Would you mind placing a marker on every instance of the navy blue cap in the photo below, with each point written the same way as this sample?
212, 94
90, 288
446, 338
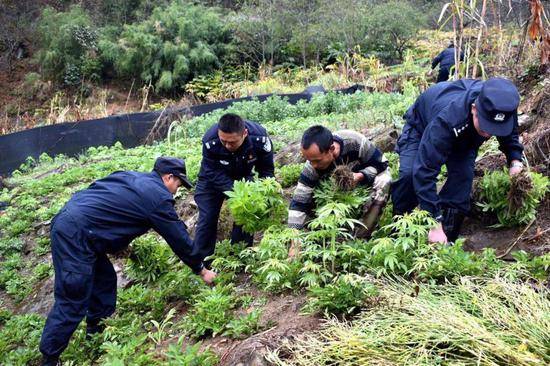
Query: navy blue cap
496, 105
175, 166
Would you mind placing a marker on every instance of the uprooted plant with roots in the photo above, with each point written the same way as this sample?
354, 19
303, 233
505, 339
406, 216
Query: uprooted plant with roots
343, 177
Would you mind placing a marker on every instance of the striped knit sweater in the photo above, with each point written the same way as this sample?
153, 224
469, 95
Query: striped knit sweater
356, 151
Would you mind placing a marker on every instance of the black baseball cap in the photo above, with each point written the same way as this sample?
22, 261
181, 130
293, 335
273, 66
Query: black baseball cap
496, 105
175, 166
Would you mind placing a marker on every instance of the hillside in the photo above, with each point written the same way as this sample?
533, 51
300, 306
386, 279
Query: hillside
391, 299
258, 302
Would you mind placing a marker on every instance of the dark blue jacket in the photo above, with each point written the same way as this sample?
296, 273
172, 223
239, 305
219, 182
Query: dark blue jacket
114, 210
446, 58
220, 168
442, 115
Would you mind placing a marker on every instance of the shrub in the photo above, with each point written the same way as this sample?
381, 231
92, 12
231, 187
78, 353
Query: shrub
211, 312
68, 45
245, 325
169, 48
514, 201
149, 259
391, 26
140, 300
256, 205
289, 174
268, 260
345, 295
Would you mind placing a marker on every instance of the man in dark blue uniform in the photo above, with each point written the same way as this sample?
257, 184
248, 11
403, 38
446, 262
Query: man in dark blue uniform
105, 218
446, 125
445, 60
231, 149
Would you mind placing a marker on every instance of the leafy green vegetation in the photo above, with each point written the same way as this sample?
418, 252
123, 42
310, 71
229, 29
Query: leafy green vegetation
256, 205
169, 48
149, 259
288, 175
513, 200
68, 46
164, 308
19, 337
345, 295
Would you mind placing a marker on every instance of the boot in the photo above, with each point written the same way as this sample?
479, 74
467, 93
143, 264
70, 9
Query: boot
94, 327
452, 222
50, 361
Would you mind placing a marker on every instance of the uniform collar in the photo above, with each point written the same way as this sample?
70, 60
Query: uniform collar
244, 147
158, 178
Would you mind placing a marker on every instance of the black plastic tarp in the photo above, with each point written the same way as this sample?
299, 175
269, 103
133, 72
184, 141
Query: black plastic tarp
72, 138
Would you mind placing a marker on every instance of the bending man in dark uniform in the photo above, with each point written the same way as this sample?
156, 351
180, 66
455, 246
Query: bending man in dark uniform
231, 149
105, 218
445, 60
446, 125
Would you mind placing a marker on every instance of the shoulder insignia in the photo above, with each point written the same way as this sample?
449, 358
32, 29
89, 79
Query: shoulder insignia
267, 145
460, 129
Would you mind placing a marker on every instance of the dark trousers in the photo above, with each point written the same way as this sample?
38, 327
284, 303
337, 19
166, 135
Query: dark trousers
85, 285
455, 194
443, 74
209, 203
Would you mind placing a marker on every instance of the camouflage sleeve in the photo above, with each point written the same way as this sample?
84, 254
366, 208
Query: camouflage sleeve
302, 199
374, 160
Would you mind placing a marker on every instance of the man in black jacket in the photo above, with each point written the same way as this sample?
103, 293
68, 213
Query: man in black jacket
445, 60
446, 125
232, 148
105, 218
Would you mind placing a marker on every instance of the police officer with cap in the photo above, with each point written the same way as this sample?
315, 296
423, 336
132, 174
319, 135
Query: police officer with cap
446, 125
232, 149
105, 218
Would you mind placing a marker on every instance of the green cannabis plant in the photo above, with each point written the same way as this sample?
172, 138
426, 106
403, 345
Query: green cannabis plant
256, 205
513, 200
289, 174
344, 295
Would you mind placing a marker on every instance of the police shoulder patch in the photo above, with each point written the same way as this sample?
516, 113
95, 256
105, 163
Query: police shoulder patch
458, 130
267, 145
210, 143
